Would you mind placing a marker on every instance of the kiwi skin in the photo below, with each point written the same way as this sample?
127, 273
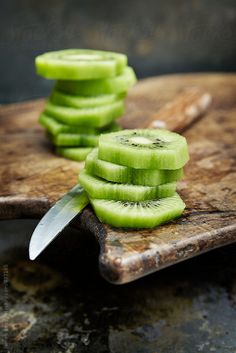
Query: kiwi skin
167, 150
127, 214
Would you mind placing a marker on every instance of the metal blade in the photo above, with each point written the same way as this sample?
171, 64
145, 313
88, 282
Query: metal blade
56, 219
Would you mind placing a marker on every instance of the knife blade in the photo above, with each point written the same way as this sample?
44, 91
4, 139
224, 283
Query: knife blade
56, 219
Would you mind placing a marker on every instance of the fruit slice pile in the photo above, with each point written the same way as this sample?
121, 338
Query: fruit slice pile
131, 177
87, 98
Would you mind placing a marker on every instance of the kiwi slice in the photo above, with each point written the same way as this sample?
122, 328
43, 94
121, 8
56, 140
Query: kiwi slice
99, 188
113, 85
122, 174
90, 117
66, 139
73, 101
80, 64
76, 154
144, 149
142, 214
54, 127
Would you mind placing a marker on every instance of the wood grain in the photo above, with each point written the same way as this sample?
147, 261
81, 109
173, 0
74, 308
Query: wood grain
32, 178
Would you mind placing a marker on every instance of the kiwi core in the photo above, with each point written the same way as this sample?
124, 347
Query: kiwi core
141, 140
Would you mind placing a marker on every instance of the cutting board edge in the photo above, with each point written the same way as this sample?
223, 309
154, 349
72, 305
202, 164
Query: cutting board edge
116, 273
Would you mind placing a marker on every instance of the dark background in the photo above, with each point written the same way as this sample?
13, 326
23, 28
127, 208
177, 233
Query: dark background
160, 37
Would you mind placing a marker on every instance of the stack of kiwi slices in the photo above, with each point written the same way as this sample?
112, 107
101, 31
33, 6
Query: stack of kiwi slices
131, 177
87, 98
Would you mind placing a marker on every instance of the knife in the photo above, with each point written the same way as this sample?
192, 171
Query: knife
56, 219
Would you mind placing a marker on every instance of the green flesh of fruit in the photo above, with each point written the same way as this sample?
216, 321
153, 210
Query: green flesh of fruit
55, 127
73, 101
98, 188
80, 64
144, 149
122, 174
76, 140
76, 154
97, 117
114, 85
144, 214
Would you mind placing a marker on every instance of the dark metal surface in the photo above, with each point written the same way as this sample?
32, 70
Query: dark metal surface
159, 36
61, 304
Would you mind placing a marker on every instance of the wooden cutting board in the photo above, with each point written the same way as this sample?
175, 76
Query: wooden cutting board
32, 178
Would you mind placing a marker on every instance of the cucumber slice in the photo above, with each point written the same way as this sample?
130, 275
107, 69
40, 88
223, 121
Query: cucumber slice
90, 117
144, 214
98, 188
76, 154
144, 149
83, 140
122, 174
114, 85
80, 64
73, 101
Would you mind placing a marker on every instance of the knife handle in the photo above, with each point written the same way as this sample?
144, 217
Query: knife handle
182, 111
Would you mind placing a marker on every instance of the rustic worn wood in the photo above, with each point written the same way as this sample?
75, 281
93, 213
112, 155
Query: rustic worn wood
32, 178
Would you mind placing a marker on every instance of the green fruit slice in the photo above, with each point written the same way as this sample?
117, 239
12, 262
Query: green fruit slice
98, 188
80, 64
114, 85
76, 154
144, 214
77, 140
144, 149
90, 117
122, 174
54, 127
73, 101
